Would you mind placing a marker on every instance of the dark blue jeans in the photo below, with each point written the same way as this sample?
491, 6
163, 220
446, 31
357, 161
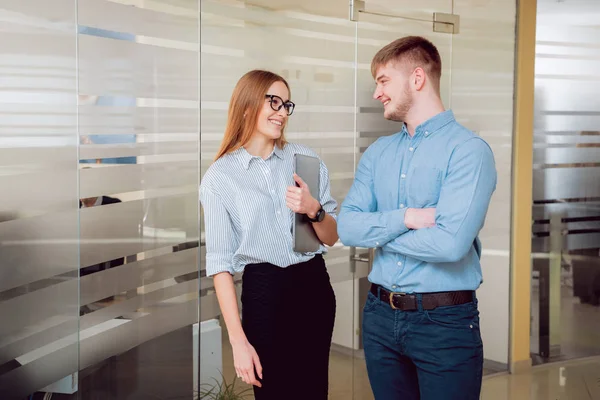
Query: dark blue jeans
425, 355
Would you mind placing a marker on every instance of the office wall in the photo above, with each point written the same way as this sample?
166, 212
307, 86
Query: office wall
99, 98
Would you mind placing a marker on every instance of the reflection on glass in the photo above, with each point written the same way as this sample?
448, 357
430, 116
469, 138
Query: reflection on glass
38, 211
566, 189
138, 215
99, 260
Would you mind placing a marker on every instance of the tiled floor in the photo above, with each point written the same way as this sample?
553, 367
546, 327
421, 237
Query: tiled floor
142, 372
160, 369
575, 380
580, 328
570, 380
347, 376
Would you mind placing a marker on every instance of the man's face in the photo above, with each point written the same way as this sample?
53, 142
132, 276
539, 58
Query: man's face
393, 91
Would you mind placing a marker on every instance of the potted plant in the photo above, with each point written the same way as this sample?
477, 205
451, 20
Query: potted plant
223, 391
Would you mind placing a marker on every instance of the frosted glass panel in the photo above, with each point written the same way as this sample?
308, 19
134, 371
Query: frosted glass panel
566, 181
39, 299
138, 185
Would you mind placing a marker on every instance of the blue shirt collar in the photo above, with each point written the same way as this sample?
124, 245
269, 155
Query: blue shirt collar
433, 124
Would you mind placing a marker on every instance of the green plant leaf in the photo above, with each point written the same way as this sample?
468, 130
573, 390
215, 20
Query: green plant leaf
223, 390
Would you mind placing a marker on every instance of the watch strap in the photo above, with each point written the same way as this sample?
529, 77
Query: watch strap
317, 216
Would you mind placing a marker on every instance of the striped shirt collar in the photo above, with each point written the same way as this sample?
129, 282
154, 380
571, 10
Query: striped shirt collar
245, 157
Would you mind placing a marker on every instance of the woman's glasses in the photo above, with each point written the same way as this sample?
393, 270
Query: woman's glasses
277, 102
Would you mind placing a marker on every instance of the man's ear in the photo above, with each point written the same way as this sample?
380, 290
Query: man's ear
419, 78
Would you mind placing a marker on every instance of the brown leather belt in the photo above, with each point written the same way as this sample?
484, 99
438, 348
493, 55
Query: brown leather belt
430, 301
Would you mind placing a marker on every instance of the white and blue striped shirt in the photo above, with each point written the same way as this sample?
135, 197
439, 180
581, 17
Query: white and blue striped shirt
246, 219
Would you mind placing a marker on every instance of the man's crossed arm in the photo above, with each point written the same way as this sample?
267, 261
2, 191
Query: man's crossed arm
441, 234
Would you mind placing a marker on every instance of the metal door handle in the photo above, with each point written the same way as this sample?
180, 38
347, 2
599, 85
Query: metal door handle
364, 258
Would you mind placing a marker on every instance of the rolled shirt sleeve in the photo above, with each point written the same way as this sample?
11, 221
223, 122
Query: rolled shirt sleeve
221, 242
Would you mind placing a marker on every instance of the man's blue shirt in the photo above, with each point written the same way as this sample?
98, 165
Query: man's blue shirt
444, 165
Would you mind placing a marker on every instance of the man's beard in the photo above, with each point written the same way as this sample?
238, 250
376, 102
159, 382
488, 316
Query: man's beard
401, 111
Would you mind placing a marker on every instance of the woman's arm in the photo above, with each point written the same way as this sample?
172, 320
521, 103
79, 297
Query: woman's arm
221, 243
229, 306
244, 355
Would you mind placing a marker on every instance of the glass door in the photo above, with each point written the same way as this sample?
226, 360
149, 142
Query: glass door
312, 45
379, 22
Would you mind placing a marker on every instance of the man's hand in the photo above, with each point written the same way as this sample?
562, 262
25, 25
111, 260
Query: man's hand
419, 218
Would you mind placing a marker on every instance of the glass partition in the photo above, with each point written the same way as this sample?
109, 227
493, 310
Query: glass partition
566, 184
39, 258
138, 177
106, 135
99, 233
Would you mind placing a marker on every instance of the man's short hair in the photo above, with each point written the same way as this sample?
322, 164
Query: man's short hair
413, 51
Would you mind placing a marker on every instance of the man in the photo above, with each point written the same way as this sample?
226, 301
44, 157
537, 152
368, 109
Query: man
420, 198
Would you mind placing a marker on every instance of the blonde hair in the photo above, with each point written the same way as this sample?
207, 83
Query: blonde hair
246, 102
416, 51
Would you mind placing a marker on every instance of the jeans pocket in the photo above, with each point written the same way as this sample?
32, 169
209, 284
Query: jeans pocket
372, 303
458, 321
463, 316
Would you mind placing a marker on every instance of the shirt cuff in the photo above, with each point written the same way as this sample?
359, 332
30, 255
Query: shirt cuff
214, 267
396, 225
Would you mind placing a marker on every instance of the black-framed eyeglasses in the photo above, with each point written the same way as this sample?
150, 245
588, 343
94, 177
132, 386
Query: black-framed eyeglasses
277, 102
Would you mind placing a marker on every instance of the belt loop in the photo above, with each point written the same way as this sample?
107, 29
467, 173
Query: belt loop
379, 292
419, 298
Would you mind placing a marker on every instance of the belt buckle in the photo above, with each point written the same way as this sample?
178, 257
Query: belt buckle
392, 294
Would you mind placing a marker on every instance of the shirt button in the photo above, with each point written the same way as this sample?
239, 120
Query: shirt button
403, 176
401, 205
426, 133
399, 263
376, 243
410, 148
278, 212
394, 286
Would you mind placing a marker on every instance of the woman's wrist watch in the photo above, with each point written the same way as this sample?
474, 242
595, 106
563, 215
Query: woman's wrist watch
320, 216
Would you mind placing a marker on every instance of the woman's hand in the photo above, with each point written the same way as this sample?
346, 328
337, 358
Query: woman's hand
299, 200
245, 361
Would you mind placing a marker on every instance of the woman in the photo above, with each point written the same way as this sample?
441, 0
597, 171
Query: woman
249, 196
